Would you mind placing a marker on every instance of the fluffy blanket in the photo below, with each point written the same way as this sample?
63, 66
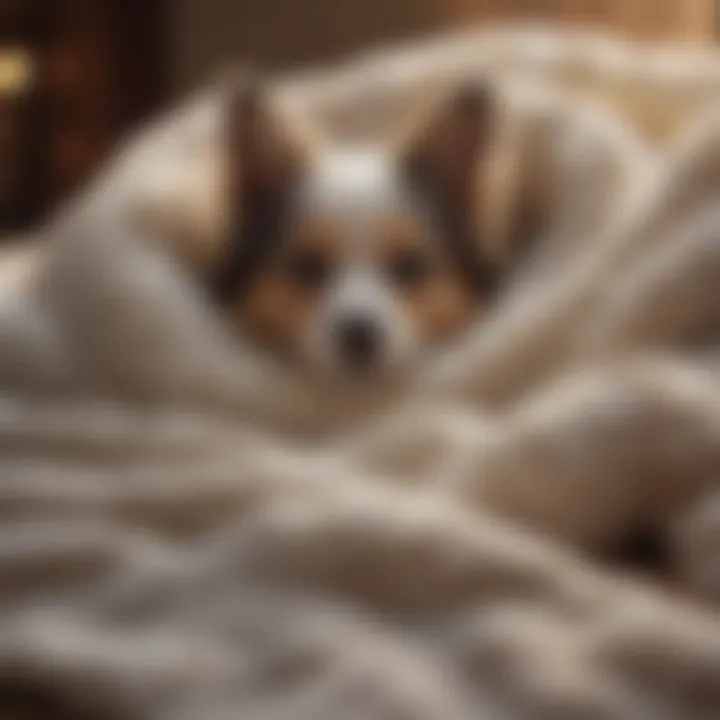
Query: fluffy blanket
179, 541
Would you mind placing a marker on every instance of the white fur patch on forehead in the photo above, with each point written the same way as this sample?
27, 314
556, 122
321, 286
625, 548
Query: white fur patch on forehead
351, 181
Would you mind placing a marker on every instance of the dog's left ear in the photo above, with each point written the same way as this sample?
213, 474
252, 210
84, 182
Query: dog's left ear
445, 150
449, 157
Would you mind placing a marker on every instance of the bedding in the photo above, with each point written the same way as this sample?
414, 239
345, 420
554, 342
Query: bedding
188, 531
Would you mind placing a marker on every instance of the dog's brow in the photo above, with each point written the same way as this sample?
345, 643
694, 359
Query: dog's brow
351, 180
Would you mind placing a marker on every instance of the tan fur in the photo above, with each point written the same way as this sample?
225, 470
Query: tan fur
274, 313
273, 310
442, 305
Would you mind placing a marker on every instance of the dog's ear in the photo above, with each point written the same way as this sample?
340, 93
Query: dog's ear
266, 147
264, 150
448, 156
446, 147
469, 156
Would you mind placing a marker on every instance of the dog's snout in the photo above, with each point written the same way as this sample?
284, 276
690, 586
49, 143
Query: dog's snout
359, 340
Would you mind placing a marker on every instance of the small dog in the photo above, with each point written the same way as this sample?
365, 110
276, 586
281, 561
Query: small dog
363, 259
357, 261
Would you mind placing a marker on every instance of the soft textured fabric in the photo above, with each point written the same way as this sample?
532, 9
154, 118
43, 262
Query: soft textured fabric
188, 532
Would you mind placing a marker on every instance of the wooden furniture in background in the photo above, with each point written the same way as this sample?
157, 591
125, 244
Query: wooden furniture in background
97, 67
105, 67
22, 34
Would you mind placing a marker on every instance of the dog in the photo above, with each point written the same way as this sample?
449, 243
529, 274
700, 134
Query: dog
355, 261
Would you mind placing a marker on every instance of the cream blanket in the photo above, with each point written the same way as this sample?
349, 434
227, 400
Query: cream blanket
178, 543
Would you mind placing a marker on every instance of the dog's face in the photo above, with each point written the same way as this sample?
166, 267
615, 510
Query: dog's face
356, 262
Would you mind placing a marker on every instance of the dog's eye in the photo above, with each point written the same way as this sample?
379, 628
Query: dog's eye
409, 268
308, 269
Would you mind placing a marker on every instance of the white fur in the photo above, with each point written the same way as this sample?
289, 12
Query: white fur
357, 191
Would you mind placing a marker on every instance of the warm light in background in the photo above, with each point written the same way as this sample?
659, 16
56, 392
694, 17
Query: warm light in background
16, 71
16, 77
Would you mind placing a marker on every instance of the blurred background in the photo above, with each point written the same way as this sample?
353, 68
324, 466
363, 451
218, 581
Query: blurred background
75, 74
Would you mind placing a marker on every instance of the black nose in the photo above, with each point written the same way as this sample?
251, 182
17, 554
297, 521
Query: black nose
359, 340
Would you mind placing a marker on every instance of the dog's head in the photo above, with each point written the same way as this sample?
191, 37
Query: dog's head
357, 261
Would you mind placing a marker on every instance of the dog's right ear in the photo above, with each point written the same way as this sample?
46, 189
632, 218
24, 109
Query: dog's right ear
199, 174
259, 157
265, 150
